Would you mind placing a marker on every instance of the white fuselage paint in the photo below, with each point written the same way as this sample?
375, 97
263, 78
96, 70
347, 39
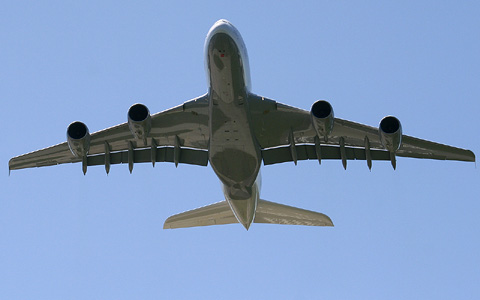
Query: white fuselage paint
234, 153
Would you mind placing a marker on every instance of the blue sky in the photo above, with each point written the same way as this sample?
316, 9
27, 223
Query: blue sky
410, 233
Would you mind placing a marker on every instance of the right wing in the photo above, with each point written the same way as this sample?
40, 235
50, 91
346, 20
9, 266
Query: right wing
285, 133
179, 133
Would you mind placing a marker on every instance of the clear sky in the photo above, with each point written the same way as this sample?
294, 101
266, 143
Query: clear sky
412, 233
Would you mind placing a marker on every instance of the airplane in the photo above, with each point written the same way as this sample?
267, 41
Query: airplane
236, 130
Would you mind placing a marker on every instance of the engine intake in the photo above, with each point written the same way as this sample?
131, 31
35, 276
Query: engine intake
390, 130
139, 121
322, 118
78, 138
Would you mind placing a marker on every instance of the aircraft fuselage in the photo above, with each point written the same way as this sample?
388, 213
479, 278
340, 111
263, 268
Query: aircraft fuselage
233, 151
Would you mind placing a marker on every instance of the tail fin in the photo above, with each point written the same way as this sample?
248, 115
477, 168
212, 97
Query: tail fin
275, 213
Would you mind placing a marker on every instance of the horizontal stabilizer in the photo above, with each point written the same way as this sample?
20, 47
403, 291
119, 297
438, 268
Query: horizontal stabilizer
214, 214
275, 213
267, 212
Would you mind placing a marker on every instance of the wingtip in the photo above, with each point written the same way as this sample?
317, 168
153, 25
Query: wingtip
10, 167
473, 156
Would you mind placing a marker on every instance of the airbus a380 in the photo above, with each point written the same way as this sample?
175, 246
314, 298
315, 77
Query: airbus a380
235, 130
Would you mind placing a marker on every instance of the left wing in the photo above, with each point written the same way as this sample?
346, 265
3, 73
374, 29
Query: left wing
286, 133
179, 135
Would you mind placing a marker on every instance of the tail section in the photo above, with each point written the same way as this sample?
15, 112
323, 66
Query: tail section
267, 212
275, 213
214, 214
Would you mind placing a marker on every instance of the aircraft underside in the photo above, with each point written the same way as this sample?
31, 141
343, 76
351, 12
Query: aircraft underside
236, 131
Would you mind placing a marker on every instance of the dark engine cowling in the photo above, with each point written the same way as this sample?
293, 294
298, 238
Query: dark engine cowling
390, 133
139, 121
78, 138
322, 118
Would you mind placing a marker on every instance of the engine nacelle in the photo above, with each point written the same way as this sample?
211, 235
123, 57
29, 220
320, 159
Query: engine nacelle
139, 121
390, 131
322, 118
78, 138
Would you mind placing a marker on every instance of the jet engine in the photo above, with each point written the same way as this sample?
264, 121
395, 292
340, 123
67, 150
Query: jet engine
322, 118
78, 138
390, 133
139, 121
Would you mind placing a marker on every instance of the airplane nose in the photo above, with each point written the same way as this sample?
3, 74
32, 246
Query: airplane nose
222, 44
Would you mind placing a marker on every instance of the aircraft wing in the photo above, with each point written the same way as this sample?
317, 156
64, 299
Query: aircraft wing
286, 133
179, 135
